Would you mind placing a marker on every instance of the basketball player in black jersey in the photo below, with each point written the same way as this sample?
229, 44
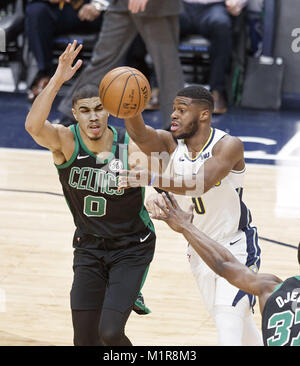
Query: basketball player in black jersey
279, 300
114, 239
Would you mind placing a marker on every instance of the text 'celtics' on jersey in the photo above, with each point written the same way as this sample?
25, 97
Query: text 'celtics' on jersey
90, 186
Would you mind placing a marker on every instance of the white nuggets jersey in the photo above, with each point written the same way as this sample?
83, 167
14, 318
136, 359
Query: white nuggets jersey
219, 212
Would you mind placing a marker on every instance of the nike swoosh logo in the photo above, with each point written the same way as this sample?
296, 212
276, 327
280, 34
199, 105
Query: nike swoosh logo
82, 157
145, 238
233, 242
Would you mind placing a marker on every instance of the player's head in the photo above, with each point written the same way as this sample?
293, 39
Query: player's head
193, 105
84, 92
88, 111
199, 95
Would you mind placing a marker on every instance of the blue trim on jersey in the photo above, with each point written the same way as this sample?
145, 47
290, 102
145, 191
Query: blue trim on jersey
210, 140
253, 260
245, 217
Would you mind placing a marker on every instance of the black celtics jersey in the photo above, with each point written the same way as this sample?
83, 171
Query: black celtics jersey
281, 315
90, 188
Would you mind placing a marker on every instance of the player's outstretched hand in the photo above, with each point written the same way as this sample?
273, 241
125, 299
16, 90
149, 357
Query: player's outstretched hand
151, 207
135, 177
172, 214
65, 69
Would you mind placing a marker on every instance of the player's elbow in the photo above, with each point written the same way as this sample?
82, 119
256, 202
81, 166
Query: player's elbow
28, 125
31, 128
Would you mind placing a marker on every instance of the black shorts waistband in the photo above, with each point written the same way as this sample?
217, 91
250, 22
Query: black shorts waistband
88, 241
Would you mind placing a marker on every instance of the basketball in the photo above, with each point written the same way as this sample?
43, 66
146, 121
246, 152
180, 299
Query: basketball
124, 92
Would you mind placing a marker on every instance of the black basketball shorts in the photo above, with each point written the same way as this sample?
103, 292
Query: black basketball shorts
109, 273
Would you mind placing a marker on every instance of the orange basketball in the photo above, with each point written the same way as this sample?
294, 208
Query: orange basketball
124, 92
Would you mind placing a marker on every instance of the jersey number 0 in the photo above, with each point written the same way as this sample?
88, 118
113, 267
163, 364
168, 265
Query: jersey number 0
94, 206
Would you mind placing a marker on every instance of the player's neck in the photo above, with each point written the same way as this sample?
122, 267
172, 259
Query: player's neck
103, 144
199, 140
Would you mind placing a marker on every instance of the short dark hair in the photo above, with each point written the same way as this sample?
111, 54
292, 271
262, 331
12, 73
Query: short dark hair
199, 94
87, 91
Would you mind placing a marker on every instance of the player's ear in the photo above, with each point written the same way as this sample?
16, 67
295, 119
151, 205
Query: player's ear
204, 115
74, 114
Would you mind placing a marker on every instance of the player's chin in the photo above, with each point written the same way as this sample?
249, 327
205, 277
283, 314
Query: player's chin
94, 136
175, 133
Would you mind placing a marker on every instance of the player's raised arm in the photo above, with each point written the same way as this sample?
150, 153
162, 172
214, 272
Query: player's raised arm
42, 131
147, 138
216, 256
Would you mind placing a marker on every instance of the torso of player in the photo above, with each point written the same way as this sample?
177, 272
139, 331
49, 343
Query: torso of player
218, 211
281, 315
90, 186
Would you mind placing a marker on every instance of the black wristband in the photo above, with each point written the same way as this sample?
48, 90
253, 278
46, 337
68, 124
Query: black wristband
158, 190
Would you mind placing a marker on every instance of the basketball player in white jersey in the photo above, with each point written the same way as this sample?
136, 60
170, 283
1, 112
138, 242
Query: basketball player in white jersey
205, 166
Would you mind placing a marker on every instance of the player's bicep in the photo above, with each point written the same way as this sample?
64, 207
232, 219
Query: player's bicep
48, 136
157, 141
157, 147
223, 160
214, 170
151, 140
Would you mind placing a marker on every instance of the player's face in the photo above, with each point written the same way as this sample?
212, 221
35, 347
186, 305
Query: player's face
91, 116
185, 118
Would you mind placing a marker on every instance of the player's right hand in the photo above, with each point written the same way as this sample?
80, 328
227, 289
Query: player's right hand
152, 208
172, 214
65, 69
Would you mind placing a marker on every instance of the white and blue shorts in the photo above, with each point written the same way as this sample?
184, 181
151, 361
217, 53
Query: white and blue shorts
216, 290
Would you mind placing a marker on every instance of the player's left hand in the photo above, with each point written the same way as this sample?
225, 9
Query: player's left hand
137, 5
135, 177
172, 214
65, 69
